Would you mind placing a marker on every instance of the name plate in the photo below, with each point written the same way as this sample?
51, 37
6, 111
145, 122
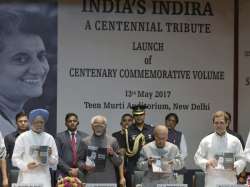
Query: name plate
171, 185
230, 185
26, 185
101, 185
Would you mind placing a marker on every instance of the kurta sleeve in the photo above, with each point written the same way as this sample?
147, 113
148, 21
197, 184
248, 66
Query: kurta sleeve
200, 156
178, 162
142, 163
2, 148
18, 153
116, 158
53, 158
240, 162
183, 147
247, 149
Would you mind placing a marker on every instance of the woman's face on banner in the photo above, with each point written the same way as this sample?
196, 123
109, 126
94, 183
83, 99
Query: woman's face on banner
24, 66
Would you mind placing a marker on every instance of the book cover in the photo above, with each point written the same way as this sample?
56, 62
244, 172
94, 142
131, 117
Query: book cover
98, 156
39, 154
161, 166
228, 160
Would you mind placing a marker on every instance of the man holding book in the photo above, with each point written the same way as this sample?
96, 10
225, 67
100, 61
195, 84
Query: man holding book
159, 159
35, 152
99, 153
219, 154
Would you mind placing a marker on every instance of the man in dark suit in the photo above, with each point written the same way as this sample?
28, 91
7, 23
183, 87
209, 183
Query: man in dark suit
67, 145
22, 125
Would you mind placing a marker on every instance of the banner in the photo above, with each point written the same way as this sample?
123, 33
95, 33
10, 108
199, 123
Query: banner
244, 68
28, 57
173, 56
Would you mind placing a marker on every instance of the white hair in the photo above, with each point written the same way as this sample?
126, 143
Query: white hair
98, 116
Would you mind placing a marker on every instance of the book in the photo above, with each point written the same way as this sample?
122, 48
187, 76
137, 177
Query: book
161, 166
97, 156
225, 161
43, 154
228, 160
39, 154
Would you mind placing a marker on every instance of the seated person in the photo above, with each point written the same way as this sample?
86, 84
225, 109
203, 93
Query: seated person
166, 152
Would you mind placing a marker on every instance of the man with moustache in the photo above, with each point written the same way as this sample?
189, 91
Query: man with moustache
98, 154
164, 152
212, 149
22, 125
68, 145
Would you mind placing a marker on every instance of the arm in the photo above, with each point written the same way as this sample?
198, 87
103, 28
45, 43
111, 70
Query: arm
143, 163
3, 162
177, 162
18, 152
61, 164
247, 149
53, 157
240, 163
122, 180
7, 145
82, 155
183, 147
4, 173
115, 157
200, 156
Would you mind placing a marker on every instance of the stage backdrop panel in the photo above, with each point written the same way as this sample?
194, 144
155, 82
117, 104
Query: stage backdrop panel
174, 56
244, 68
28, 57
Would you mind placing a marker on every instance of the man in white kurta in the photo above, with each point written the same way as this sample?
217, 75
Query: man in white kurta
217, 144
166, 152
3, 165
31, 170
246, 154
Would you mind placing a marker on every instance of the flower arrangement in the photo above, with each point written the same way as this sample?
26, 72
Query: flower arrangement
70, 182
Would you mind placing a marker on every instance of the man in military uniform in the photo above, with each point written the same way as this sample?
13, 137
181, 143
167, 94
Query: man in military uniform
126, 121
137, 135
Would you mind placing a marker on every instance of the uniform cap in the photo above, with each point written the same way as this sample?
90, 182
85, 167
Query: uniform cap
138, 109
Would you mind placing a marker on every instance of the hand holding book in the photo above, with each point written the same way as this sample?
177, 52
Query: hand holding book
32, 165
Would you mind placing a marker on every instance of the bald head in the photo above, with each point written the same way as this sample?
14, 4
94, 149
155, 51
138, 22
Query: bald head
160, 129
160, 135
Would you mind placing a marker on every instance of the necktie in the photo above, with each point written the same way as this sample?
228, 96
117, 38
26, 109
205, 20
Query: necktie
74, 151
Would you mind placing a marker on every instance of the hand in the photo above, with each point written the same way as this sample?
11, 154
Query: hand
32, 165
211, 164
73, 172
5, 182
122, 151
122, 182
88, 168
150, 161
171, 162
110, 151
49, 151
